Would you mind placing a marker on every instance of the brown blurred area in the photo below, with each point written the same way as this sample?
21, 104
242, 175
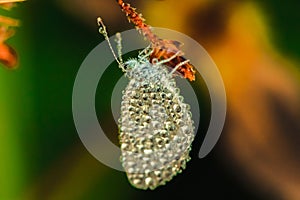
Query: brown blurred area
261, 141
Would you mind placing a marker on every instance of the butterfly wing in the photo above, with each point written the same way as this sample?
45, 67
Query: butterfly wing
156, 129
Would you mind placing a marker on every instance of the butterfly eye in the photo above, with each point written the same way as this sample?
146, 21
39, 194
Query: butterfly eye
130, 64
125, 66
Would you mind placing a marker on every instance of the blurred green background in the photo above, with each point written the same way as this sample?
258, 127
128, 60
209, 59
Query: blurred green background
41, 154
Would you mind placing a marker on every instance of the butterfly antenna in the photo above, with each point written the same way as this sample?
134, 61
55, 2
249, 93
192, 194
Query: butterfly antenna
103, 31
118, 40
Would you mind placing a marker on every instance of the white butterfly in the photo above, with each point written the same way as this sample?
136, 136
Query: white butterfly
155, 127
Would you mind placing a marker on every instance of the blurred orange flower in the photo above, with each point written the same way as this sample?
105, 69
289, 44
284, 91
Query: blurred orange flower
8, 56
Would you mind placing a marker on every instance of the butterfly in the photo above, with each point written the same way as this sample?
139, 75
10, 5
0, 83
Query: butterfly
156, 129
8, 56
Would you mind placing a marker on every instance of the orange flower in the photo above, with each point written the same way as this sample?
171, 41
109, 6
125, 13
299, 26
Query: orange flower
8, 55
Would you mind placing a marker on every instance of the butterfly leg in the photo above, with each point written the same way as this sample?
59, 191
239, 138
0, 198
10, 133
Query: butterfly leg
145, 53
179, 65
168, 59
